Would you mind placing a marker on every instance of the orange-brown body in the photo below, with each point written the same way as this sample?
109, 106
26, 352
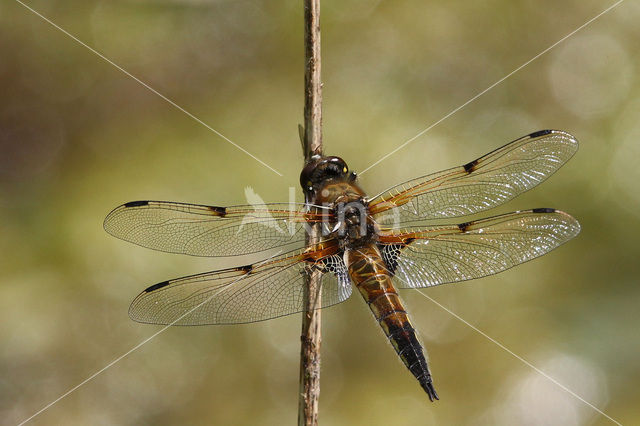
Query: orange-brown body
370, 275
328, 184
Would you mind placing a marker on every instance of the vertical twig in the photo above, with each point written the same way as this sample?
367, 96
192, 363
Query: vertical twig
312, 81
311, 336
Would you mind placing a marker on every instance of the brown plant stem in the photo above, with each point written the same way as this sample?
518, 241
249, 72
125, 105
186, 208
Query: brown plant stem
311, 335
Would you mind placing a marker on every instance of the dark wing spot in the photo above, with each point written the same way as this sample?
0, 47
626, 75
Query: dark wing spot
539, 133
218, 211
464, 226
469, 167
246, 269
136, 203
156, 286
544, 210
391, 253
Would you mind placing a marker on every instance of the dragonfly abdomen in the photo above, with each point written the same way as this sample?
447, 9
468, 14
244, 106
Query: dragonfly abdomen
370, 275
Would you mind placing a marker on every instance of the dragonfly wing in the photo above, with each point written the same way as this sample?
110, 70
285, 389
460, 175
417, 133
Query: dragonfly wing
482, 184
200, 230
451, 253
244, 294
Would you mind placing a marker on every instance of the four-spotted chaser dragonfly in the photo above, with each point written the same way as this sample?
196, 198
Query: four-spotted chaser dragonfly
365, 241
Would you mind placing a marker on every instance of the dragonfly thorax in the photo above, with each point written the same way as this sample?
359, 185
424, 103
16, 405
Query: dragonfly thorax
354, 226
349, 222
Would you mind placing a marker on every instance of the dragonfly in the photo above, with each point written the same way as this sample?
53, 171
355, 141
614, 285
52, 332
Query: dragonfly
377, 245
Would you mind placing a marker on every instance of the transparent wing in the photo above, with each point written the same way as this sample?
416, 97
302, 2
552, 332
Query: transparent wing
479, 185
450, 253
199, 230
245, 294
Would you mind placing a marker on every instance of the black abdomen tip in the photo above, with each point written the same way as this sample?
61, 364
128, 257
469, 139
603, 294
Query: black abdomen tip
427, 385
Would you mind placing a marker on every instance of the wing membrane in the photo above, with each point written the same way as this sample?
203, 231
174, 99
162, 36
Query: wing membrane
479, 185
450, 253
200, 230
244, 294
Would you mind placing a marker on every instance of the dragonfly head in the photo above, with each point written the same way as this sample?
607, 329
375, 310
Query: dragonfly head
321, 169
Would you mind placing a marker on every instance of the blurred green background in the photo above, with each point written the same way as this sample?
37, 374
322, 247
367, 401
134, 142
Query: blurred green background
79, 137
